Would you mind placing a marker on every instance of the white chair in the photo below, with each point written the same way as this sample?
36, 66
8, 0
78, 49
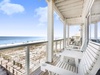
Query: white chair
79, 48
72, 53
76, 44
89, 64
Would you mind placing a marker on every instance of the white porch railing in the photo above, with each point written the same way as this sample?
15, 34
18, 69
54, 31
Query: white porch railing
22, 59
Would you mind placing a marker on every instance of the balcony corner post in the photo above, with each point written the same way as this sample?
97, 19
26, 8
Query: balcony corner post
50, 33
64, 36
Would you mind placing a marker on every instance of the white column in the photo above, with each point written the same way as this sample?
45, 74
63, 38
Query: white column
27, 60
67, 35
84, 43
87, 32
50, 31
90, 21
81, 32
83, 37
64, 35
95, 31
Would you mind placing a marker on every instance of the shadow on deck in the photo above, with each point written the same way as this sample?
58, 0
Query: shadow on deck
4, 71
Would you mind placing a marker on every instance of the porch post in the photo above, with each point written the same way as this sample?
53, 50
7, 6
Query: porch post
50, 33
90, 21
95, 31
81, 33
86, 31
67, 35
84, 40
64, 35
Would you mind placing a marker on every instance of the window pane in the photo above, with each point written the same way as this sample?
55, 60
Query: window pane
74, 30
92, 31
99, 30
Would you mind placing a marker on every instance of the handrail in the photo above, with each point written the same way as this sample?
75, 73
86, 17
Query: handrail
58, 44
25, 44
21, 45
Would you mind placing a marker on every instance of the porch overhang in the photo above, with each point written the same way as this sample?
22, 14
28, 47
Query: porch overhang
75, 11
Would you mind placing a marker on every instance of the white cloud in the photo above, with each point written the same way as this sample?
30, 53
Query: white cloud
5, 1
41, 13
10, 8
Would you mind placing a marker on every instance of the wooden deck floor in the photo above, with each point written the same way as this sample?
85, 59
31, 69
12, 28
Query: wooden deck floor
55, 61
39, 72
3, 71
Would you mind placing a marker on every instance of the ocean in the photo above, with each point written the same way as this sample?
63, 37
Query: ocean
17, 39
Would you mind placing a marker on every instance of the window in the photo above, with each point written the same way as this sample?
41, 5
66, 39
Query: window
92, 31
74, 30
98, 30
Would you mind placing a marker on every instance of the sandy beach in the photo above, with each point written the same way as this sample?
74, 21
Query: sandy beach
16, 56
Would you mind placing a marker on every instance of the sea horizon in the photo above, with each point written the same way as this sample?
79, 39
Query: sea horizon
4, 40
19, 39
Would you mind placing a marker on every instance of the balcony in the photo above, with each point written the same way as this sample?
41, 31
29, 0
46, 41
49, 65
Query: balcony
22, 58
18, 58
26, 58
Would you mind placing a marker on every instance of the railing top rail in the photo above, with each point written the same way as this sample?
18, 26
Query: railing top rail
21, 44
24, 44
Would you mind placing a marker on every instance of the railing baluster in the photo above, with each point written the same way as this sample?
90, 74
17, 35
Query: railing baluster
56, 46
63, 44
27, 60
60, 45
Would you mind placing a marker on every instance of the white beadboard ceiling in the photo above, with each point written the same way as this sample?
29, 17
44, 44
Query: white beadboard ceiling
73, 10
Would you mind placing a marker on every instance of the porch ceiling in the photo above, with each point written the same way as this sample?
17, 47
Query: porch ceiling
96, 11
71, 10
75, 11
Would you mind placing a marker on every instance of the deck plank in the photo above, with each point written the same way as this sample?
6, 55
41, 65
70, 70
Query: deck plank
3, 71
39, 72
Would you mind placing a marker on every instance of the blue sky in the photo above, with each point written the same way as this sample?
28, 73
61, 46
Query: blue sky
27, 18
